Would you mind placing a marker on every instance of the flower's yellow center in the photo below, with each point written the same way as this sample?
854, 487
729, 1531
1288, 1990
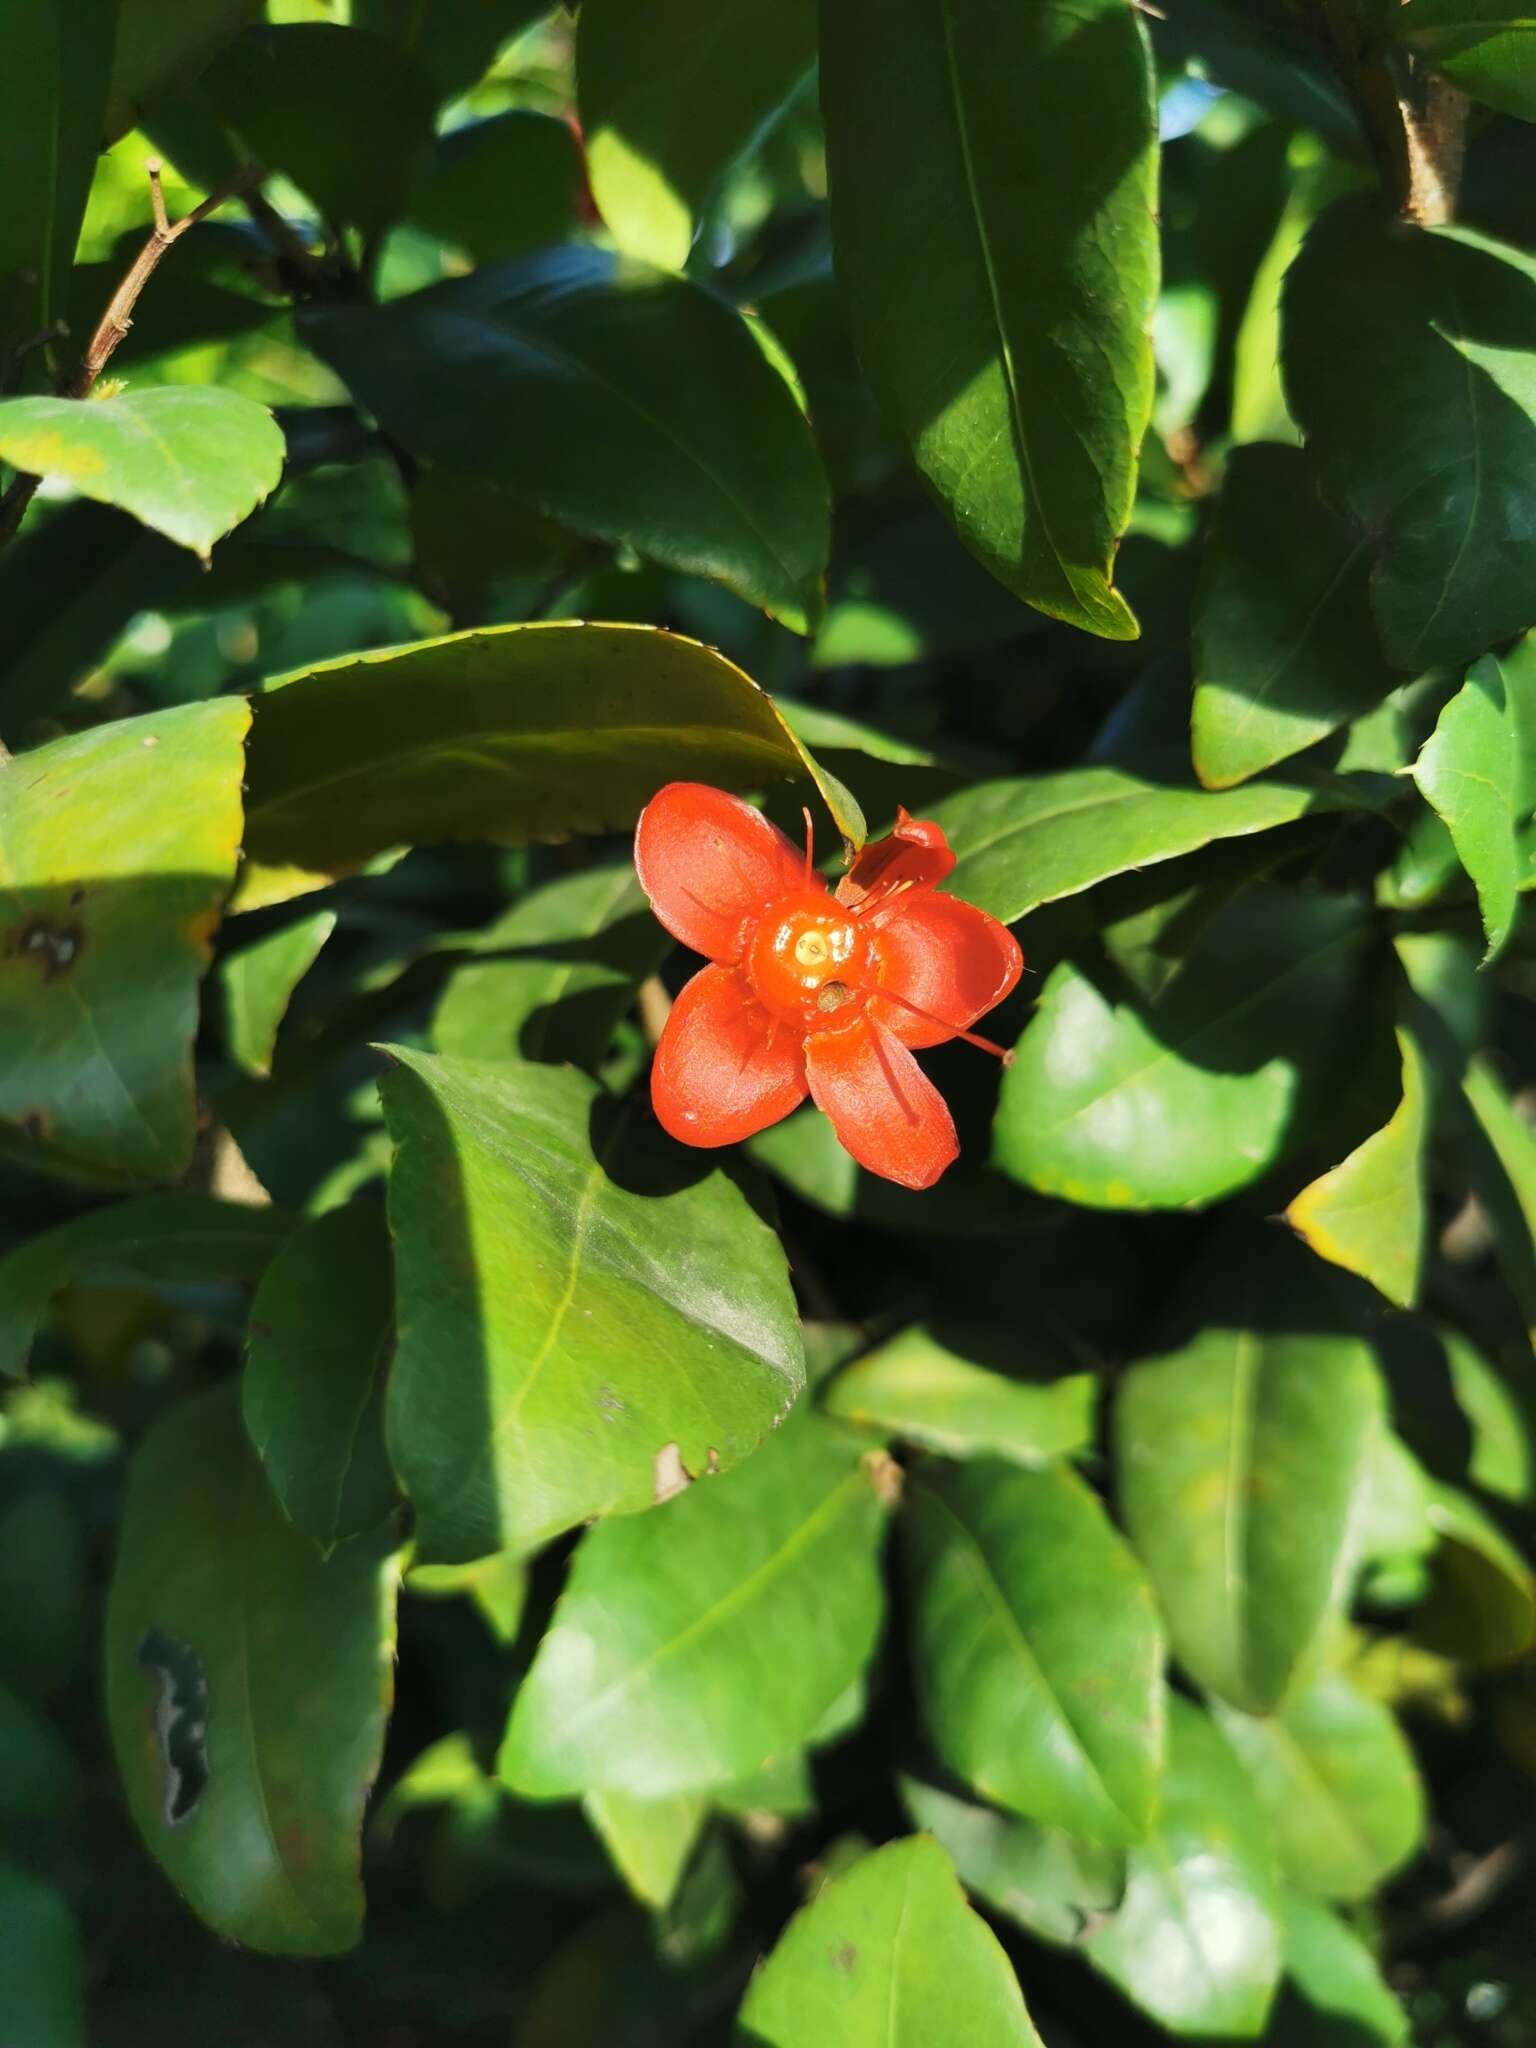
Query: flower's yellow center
813, 949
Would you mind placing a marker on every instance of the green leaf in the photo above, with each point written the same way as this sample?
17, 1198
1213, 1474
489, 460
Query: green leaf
55, 62
1052, 1883
345, 114
312, 1395
503, 186
1196, 1940
160, 1241
258, 982
655, 156
42, 1966
1037, 1650
1468, 772
1337, 1783
650, 1840
160, 46
1451, 320
625, 403
1488, 47
551, 979
117, 849
455, 40
190, 461
248, 1685
1010, 341
1501, 1458
888, 1955
1334, 1995
1369, 1213
692, 1645
1506, 1180
1118, 1102
498, 1586
1035, 838
1241, 1453
931, 1392
1284, 644
558, 1356
1482, 1603
507, 734
39, 1778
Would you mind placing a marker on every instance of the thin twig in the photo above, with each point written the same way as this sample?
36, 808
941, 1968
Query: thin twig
118, 318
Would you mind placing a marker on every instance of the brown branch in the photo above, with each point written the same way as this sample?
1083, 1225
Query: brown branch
1414, 121
118, 318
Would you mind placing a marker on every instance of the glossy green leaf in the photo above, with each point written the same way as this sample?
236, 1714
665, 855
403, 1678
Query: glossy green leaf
248, 1685
1037, 1650
1284, 644
693, 1644
258, 982
1034, 838
888, 1955
507, 734
344, 113
623, 402
1338, 1786
455, 40
1122, 1103
1054, 1884
1369, 1213
188, 460
1010, 342
1241, 1454
650, 1840
1384, 322
161, 46
669, 97
312, 1395
42, 1965
1196, 1940
551, 979
557, 1358
55, 62
931, 1392
157, 1242
1488, 47
1482, 1603
1468, 772
502, 186
1334, 1995
117, 849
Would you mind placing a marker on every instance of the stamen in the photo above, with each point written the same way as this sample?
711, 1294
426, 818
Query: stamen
1002, 1052
810, 841
880, 894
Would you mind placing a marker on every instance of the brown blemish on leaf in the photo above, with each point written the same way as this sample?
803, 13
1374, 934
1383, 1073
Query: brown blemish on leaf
884, 1475
672, 1477
845, 1957
52, 945
34, 1122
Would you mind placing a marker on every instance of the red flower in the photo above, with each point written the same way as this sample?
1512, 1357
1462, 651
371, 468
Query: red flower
811, 992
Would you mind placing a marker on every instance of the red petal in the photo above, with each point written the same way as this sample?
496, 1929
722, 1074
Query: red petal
710, 864
946, 957
884, 1108
916, 853
723, 1068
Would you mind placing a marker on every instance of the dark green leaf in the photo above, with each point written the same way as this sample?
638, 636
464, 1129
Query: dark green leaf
1009, 338
1241, 1456
1501, 1454
502, 187
39, 1778
1284, 644
670, 95
322, 1326
345, 114
158, 1242
509, 734
1505, 1180
117, 849
1386, 322
1121, 1103
1196, 1940
1468, 771
1036, 1647
42, 1968
258, 981
55, 62
248, 1686
1482, 1603
455, 40
1052, 1883
921, 1388
694, 1644
190, 461
625, 403
888, 1955
557, 1357
1337, 1782
161, 45
1334, 1996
